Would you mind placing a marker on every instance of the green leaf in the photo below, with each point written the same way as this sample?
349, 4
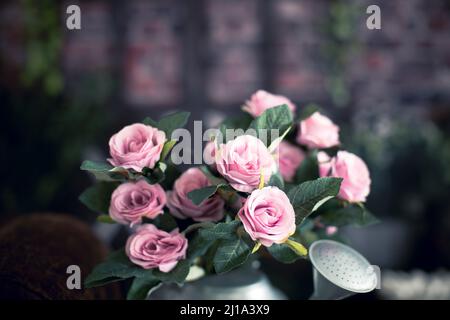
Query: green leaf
171, 174
167, 148
308, 111
177, 275
276, 180
283, 253
173, 121
150, 122
95, 166
198, 246
308, 169
352, 215
116, 267
278, 118
169, 123
164, 222
98, 196
306, 197
211, 177
105, 218
140, 288
240, 122
231, 254
155, 175
104, 171
199, 195
221, 230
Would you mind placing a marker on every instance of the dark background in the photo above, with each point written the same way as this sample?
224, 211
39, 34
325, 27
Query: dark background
64, 93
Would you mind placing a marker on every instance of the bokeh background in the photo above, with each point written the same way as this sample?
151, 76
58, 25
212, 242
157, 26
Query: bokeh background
63, 93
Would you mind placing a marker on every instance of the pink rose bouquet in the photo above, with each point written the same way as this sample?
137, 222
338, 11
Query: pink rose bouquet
253, 194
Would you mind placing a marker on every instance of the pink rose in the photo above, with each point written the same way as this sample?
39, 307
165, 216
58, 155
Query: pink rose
324, 162
355, 186
152, 248
242, 160
263, 100
289, 159
132, 201
268, 216
318, 131
182, 207
136, 146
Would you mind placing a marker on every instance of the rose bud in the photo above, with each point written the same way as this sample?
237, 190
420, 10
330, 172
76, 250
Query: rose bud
289, 159
263, 100
318, 131
136, 146
268, 216
152, 248
242, 161
132, 201
182, 207
355, 186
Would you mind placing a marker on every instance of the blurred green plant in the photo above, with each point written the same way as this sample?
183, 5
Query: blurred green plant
340, 32
43, 45
46, 127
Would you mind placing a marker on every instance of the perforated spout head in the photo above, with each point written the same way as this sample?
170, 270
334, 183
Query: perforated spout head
339, 271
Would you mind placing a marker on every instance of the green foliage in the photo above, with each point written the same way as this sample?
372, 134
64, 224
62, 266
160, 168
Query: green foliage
199, 195
141, 286
307, 111
155, 175
231, 253
116, 267
308, 196
104, 172
219, 231
283, 253
177, 275
278, 118
240, 122
308, 169
276, 180
164, 222
98, 196
169, 123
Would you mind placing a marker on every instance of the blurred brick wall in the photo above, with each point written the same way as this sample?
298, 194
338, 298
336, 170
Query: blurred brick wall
192, 54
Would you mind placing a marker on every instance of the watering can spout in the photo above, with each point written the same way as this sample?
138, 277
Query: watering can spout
339, 271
